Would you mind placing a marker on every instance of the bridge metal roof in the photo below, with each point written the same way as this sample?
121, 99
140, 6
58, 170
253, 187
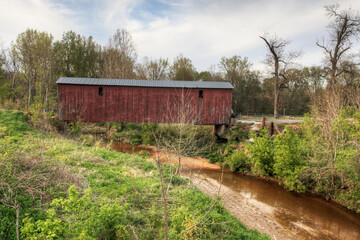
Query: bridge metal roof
144, 83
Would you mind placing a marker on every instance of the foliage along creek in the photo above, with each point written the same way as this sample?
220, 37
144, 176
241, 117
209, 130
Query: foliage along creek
279, 213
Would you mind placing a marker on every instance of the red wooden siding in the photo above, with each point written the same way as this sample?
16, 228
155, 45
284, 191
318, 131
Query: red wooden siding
143, 104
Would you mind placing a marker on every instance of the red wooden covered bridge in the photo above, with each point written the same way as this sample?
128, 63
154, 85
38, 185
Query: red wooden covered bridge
144, 101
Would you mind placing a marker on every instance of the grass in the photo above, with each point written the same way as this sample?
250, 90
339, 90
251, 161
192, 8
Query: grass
74, 191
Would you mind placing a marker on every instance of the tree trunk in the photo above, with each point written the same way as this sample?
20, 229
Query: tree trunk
276, 102
17, 223
276, 89
164, 195
29, 97
179, 165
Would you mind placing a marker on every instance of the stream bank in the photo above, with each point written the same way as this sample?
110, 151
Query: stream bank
266, 206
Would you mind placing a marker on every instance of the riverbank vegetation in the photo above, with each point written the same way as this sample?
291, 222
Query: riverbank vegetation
320, 155
55, 187
306, 157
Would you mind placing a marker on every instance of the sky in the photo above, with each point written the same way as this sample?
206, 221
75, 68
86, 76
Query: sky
202, 30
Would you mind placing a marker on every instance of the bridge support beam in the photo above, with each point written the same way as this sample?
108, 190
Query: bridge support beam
219, 129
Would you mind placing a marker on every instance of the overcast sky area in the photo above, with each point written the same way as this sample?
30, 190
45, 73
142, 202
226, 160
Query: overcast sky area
202, 30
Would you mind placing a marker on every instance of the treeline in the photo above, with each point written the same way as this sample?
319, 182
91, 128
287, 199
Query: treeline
30, 68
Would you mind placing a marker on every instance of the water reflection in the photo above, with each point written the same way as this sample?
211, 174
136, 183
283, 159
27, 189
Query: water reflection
303, 214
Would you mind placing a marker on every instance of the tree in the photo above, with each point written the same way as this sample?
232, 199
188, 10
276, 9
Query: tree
237, 71
182, 69
33, 50
314, 76
279, 61
344, 27
119, 56
4, 86
183, 134
78, 56
295, 99
153, 69
330, 125
47, 76
253, 97
15, 92
204, 76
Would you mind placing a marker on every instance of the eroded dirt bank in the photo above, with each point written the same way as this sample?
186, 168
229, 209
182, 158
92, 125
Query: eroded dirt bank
250, 212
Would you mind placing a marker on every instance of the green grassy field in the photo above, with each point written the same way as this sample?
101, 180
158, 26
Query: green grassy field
65, 189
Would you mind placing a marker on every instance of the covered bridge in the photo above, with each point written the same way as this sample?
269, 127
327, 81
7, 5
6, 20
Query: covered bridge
144, 101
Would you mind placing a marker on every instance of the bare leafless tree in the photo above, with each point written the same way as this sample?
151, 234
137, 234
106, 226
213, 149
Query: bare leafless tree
162, 153
178, 138
343, 29
183, 136
153, 69
119, 56
279, 60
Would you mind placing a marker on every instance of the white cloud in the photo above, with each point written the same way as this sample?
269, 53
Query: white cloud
18, 15
117, 14
203, 30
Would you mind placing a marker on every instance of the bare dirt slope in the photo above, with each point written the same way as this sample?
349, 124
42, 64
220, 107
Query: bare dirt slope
250, 212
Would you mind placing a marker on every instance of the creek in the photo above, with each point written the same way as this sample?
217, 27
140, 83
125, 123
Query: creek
269, 208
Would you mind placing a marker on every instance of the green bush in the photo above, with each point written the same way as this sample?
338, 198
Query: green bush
289, 157
262, 155
135, 141
214, 156
147, 133
79, 217
238, 133
239, 161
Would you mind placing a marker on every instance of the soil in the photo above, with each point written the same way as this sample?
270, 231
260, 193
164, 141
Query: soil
251, 213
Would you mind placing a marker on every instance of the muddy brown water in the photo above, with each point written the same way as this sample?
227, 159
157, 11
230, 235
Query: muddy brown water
304, 215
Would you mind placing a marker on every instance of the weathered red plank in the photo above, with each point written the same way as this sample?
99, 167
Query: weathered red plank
141, 104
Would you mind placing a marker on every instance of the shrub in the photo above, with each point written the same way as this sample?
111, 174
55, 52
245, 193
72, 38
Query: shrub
238, 133
289, 159
79, 217
261, 152
135, 141
214, 156
238, 161
147, 133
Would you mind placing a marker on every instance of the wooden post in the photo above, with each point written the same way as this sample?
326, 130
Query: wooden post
219, 129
